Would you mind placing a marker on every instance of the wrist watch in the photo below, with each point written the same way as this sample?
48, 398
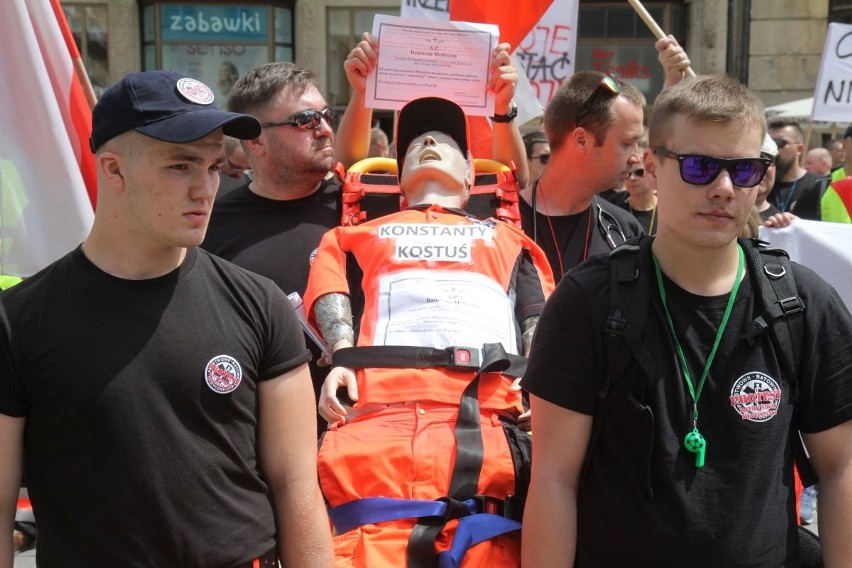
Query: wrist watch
513, 112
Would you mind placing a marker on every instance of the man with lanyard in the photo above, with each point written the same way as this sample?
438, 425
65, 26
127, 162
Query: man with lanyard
796, 190
593, 123
427, 279
693, 463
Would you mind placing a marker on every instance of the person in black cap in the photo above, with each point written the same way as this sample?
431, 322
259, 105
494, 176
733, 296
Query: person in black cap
160, 393
433, 290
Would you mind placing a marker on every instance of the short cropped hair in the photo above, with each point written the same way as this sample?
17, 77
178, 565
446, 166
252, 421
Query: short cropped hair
257, 88
531, 139
706, 98
781, 122
560, 117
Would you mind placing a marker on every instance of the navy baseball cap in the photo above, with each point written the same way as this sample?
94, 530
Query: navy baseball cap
425, 115
167, 106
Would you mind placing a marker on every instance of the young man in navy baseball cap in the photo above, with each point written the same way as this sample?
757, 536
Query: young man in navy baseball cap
164, 392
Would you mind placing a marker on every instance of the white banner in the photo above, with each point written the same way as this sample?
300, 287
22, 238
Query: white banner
429, 9
822, 247
833, 93
549, 51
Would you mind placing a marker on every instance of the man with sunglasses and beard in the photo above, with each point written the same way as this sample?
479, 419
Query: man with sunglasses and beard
796, 190
593, 123
687, 459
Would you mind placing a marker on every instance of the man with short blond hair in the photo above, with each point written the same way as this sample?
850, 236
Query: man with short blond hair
653, 432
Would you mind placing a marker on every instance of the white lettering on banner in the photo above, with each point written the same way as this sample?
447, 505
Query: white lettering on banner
443, 308
451, 243
246, 23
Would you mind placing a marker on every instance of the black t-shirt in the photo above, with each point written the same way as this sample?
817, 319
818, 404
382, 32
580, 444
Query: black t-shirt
273, 238
140, 398
647, 219
573, 238
276, 239
739, 509
801, 197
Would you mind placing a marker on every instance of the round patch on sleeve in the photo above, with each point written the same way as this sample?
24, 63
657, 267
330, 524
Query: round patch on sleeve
223, 374
195, 91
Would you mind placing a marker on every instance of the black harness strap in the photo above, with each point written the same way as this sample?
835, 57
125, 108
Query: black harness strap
625, 324
468, 465
781, 301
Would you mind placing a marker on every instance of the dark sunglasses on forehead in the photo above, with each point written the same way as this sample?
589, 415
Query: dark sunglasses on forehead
696, 169
608, 84
544, 158
306, 120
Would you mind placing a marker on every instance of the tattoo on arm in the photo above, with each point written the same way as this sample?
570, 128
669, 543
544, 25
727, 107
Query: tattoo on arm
333, 313
528, 328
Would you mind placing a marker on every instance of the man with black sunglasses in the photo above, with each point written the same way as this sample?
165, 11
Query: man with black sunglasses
664, 409
796, 190
538, 152
593, 124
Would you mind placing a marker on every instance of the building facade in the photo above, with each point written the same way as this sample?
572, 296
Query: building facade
774, 46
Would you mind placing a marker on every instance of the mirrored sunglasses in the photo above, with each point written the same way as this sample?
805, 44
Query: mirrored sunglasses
306, 120
696, 169
608, 84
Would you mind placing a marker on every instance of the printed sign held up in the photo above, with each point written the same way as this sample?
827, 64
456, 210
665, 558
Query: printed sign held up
833, 93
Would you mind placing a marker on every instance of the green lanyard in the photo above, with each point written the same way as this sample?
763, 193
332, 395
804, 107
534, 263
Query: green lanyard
694, 441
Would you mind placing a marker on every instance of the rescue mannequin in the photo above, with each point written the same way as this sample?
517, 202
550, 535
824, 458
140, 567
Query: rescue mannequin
429, 278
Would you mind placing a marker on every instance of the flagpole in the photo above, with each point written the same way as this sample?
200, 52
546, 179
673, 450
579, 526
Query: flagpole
653, 26
76, 60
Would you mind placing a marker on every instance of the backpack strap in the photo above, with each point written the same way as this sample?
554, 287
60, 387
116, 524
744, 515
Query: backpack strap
782, 318
628, 312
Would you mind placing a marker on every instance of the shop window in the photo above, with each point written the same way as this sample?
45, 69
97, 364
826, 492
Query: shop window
614, 39
88, 23
345, 26
216, 43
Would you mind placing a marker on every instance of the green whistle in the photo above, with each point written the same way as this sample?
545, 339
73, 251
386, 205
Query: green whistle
694, 442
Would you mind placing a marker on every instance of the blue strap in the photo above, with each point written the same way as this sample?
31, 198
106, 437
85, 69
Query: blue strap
370, 510
471, 531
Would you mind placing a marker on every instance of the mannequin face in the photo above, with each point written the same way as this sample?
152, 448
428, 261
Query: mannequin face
435, 164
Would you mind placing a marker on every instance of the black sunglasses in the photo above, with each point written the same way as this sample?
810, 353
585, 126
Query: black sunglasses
544, 158
780, 142
306, 120
696, 169
609, 84
638, 172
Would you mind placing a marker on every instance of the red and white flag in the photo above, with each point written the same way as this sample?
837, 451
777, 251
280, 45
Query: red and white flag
47, 174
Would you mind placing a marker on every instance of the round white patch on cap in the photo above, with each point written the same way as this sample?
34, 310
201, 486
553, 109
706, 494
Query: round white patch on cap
223, 374
195, 91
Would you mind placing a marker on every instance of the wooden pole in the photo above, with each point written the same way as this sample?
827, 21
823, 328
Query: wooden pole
653, 26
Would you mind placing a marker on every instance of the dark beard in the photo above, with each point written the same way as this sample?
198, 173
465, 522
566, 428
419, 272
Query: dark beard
782, 169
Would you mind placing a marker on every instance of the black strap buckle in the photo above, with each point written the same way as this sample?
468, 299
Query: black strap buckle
494, 505
463, 358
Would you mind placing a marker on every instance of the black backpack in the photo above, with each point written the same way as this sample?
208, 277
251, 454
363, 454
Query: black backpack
630, 288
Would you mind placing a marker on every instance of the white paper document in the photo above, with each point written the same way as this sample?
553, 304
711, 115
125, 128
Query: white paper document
427, 58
